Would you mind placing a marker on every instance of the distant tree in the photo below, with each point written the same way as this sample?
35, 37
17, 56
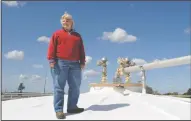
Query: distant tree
169, 93
189, 91
149, 90
156, 93
21, 87
185, 93
175, 93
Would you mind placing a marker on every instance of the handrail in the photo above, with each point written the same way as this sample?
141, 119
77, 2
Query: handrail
16, 95
24, 93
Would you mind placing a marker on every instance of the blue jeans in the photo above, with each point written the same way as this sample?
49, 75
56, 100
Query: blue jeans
63, 71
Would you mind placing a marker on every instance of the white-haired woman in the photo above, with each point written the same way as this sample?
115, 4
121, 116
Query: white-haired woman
66, 56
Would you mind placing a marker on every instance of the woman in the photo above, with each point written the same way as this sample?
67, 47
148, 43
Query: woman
66, 57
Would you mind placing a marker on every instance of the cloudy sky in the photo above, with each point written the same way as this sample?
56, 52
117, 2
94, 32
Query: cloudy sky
142, 31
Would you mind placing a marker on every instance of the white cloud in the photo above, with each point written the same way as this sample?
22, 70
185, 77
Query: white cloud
37, 66
15, 55
14, 3
88, 59
138, 61
43, 39
188, 30
118, 36
90, 73
23, 77
35, 78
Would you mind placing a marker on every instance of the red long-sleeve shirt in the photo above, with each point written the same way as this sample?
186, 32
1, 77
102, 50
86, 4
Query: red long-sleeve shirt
69, 46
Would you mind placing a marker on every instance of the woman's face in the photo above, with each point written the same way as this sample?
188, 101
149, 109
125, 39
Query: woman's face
67, 23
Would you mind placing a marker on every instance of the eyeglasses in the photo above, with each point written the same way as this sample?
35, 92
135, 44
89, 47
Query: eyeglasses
66, 20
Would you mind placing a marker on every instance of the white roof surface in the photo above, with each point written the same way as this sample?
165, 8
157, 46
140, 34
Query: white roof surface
105, 104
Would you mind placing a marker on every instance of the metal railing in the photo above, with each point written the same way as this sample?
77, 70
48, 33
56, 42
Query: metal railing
16, 95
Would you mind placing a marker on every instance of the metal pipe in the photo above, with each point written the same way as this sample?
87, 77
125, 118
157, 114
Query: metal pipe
161, 64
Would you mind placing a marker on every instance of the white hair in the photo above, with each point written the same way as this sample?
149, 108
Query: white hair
68, 16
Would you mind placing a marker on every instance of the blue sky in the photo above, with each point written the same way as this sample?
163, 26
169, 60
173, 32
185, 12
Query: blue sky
142, 31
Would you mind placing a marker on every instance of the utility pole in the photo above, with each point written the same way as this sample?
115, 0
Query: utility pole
45, 82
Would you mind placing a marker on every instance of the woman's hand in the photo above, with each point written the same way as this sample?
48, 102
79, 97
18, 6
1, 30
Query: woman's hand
52, 65
82, 66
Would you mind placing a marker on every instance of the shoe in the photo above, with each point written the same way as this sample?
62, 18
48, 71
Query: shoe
60, 115
76, 110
